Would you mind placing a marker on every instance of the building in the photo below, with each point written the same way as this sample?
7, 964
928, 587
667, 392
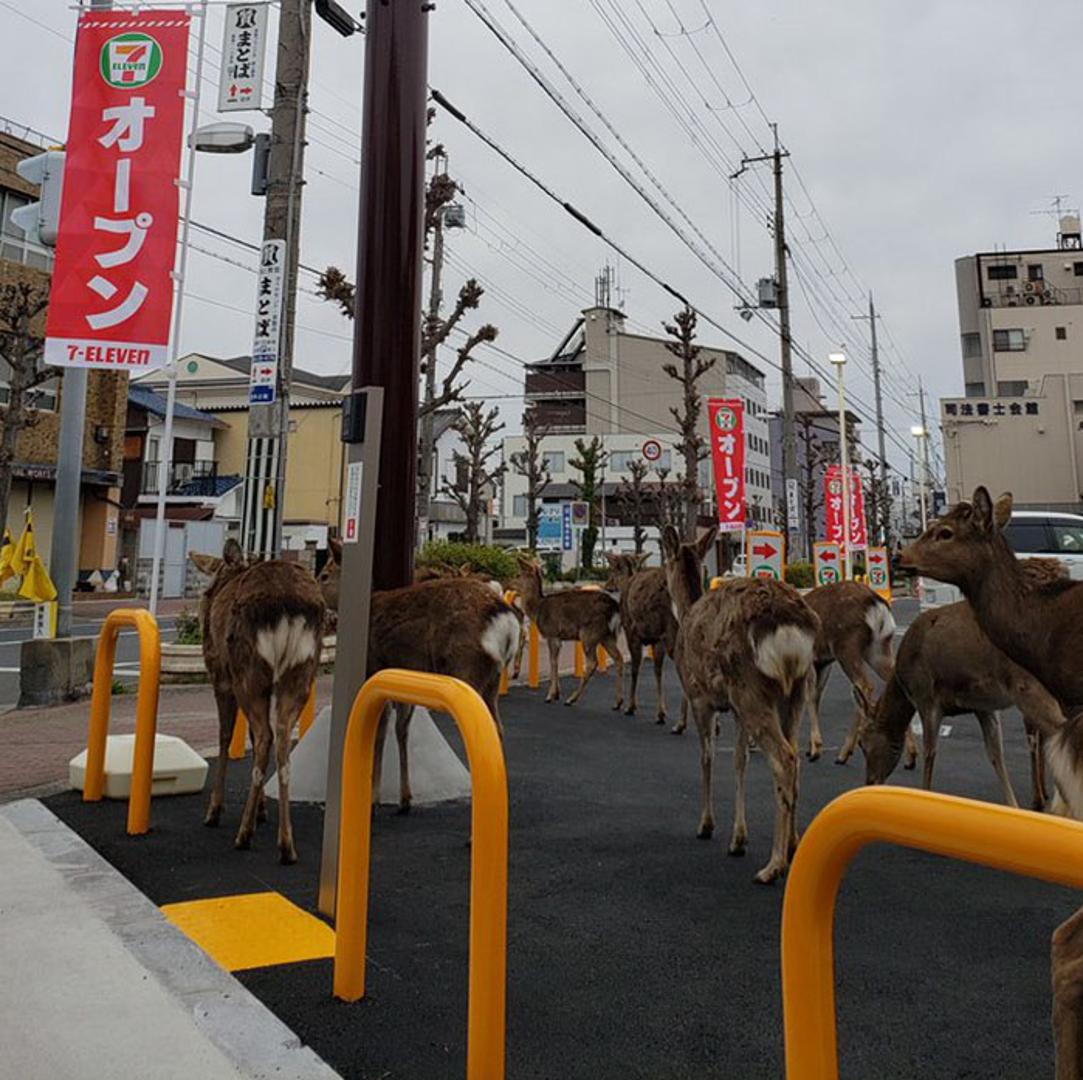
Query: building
1018, 425
602, 380
446, 518
36, 448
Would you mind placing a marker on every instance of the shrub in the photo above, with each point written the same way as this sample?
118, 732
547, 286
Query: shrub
799, 574
498, 563
189, 628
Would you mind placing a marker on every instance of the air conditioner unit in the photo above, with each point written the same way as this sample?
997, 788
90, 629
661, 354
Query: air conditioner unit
183, 471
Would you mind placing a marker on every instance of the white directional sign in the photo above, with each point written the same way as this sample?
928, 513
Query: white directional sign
827, 562
265, 341
765, 553
876, 560
240, 80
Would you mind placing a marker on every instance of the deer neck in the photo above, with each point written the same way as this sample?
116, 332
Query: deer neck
530, 593
1007, 610
685, 586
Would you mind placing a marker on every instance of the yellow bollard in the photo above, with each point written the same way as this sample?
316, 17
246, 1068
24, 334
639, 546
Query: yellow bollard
240, 736
603, 659
580, 660
308, 714
716, 582
486, 1005
1020, 841
533, 671
146, 712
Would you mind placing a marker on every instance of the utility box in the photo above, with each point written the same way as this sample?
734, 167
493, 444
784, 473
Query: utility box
767, 292
178, 769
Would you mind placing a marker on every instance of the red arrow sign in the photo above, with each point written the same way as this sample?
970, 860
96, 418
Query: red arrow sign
877, 558
765, 550
827, 556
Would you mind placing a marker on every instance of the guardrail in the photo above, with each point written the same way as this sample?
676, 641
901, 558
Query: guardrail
486, 1015
1020, 841
146, 712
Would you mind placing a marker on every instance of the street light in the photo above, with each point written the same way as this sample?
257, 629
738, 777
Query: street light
839, 360
225, 137
922, 437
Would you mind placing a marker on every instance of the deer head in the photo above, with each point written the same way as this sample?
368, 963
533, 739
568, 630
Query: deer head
959, 546
684, 566
328, 578
220, 570
880, 739
622, 568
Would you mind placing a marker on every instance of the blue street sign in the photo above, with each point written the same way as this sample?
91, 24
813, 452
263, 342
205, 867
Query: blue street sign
550, 529
566, 527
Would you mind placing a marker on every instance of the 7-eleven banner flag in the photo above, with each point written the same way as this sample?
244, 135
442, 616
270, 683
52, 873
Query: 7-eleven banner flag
726, 417
112, 292
859, 536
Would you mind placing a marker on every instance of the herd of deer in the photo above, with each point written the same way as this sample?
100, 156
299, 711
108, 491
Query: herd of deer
754, 647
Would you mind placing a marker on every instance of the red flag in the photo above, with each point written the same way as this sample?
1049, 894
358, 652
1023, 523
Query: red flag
112, 293
726, 418
859, 537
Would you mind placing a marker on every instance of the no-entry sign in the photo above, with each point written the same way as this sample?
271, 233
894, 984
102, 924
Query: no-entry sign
827, 562
765, 554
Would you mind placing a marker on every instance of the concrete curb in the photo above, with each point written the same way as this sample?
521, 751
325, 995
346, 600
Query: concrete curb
248, 1034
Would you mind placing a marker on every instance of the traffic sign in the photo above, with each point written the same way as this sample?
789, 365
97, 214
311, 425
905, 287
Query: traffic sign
827, 562
652, 450
879, 571
765, 553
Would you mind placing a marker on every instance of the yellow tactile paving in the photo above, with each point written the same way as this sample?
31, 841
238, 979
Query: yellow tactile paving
252, 930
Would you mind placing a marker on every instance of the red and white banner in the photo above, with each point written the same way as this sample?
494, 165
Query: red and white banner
112, 293
726, 419
859, 537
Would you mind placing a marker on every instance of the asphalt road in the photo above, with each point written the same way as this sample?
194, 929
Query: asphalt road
11, 638
635, 949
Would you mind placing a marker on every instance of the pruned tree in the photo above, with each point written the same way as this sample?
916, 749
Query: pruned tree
669, 506
877, 501
588, 464
21, 344
475, 471
531, 465
814, 456
635, 500
688, 369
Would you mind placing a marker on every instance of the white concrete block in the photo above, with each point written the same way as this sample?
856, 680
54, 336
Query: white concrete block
178, 769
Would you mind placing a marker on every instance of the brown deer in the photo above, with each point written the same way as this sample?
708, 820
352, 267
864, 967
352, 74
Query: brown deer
1040, 629
856, 629
452, 626
748, 647
646, 616
586, 615
262, 630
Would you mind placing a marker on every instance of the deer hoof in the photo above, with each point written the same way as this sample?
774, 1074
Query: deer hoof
660, 718
840, 760
404, 808
213, 817
678, 729
287, 856
814, 755
243, 841
706, 831
912, 765
630, 710
768, 875
737, 849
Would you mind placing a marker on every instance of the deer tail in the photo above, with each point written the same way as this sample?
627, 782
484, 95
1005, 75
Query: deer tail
784, 653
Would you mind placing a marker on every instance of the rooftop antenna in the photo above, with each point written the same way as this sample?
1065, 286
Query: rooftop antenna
1067, 218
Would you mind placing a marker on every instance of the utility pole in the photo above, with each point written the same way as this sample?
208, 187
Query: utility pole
880, 439
268, 423
789, 441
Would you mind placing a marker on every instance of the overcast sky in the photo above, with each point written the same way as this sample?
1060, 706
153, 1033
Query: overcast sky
921, 131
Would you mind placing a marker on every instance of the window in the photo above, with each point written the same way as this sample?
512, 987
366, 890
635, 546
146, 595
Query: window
554, 459
1011, 387
1002, 272
971, 346
1061, 333
13, 242
1077, 269
518, 506
1009, 341
1067, 538
1027, 536
975, 389
1034, 272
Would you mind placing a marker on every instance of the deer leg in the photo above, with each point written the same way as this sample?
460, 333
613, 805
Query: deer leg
659, 663
524, 633
783, 759
291, 694
588, 672
227, 717
704, 717
679, 727
403, 715
378, 755
259, 721
1035, 743
635, 655
554, 669
816, 735
930, 733
858, 674
261, 806
612, 646
994, 746
739, 839
910, 749
1067, 972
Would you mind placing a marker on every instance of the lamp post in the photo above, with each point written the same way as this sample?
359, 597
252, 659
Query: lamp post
922, 436
839, 360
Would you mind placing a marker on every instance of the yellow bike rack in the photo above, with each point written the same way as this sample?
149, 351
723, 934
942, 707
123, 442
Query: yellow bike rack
1020, 841
146, 712
533, 670
509, 598
486, 1017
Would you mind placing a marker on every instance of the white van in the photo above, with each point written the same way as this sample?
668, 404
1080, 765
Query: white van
1047, 533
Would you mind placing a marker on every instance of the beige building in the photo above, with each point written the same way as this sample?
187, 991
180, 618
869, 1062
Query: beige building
1021, 323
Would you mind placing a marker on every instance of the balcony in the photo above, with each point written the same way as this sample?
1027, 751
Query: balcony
191, 479
555, 384
1014, 294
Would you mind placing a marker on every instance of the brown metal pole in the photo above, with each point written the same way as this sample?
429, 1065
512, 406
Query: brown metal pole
387, 335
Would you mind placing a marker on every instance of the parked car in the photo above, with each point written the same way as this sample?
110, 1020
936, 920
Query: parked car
1029, 533
739, 567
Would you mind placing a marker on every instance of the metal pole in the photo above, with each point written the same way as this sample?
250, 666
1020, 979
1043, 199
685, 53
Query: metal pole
428, 421
165, 454
844, 458
789, 443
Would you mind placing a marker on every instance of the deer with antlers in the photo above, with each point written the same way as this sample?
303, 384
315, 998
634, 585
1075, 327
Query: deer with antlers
646, 616
1041, 630
589, 616
748, 647
262, 630
455, 626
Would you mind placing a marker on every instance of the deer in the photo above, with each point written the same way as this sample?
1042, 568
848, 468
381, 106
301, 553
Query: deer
589, 616
646, 616
746, 647
451, 625
857, 629
262, 628
1039, 628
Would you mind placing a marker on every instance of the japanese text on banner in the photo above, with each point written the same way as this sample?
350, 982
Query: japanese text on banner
111, 299
726, 420
833, 509
240, 81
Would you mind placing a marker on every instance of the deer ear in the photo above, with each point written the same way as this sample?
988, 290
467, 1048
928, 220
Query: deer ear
232, 553
983, 509
671, 542
1002, 511
641, 560
706, 541
335, 547
205, 564
612, 558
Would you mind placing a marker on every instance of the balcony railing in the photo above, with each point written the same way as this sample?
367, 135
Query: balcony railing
194, 478
1042, 295
555, 383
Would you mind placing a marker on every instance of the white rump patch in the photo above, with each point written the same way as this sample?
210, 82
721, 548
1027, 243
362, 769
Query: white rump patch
500, 639
881, 622
1064, 766
290, 643
496, 587
614, 622
785, 654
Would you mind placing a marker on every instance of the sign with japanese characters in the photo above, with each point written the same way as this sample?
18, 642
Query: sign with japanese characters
726, 418
990, 410
566, 534
262, 386
240, 80
826, 562
351, 525
111, 300
765, 554
549, 525
793, 505
833, 514
879, 575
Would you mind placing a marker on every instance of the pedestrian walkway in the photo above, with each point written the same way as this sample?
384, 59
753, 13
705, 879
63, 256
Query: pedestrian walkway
97, 983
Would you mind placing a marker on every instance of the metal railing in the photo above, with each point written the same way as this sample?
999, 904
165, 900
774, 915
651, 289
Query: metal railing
195, 478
